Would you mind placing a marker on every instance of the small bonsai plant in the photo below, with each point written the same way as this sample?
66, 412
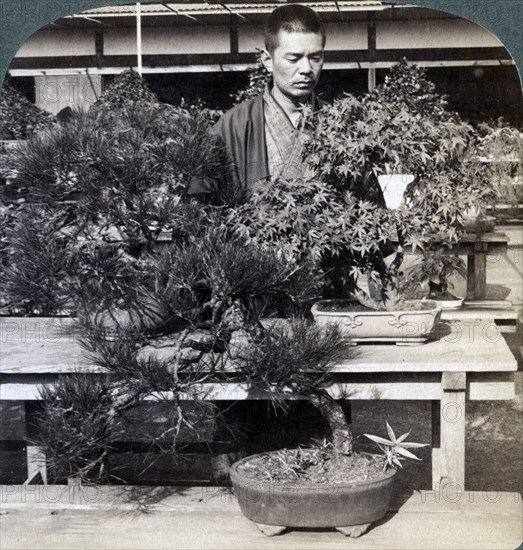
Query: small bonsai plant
433, 276
402, 127
395, 449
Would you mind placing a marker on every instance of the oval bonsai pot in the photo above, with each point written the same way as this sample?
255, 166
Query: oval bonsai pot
448, 301
412, 324
319, 505
149, 317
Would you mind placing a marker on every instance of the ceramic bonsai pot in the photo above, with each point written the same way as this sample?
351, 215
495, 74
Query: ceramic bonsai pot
450, 304
8, 144
410, 325
348, 507
150, 317
480, 225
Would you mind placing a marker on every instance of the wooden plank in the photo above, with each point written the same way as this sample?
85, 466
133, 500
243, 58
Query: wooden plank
496, 243
484, 310
481, 305
491, 386
235, 67
209, 517
41, 344
248, 58
171, 498
40, 347
235, 391
492, 237
417, 386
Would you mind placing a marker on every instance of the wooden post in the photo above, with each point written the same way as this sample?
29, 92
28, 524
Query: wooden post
471, 276
477, 272
36, 463
372, 79
371, 49
480, 270
99, 47
449, 460
139, 38
233, 34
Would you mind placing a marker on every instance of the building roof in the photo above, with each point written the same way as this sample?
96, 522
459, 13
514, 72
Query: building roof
213, 11
213, 7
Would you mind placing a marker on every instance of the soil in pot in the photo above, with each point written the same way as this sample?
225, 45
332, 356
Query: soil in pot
312, 466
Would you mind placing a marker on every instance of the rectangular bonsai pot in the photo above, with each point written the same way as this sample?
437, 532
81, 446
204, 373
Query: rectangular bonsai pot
410, 325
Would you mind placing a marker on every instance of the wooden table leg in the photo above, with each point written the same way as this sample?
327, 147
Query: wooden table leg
471, 277
36, 465
477, 272
448, 461
36, 461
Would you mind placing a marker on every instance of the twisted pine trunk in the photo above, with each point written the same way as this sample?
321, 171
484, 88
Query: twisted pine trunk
332, 411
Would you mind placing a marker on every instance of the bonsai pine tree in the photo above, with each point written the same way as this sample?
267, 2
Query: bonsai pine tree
19, 117
218, 287
114, 178
127, 88
35, 259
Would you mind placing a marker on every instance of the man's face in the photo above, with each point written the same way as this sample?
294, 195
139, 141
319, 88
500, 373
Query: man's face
296, 63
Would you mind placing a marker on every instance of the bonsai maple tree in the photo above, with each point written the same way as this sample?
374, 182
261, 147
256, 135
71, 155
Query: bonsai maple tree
338, 217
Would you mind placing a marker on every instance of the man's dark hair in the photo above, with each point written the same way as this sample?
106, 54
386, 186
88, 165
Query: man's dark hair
291, 18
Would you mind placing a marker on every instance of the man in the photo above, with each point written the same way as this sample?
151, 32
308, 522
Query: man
262, 135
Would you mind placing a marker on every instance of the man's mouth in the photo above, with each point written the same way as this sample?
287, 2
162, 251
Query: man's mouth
304, 83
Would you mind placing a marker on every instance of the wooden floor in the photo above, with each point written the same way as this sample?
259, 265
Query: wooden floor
40, 517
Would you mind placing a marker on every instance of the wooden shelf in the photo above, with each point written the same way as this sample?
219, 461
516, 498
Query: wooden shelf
59, 517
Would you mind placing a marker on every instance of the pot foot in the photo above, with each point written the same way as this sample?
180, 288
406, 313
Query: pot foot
270, 530
354, 531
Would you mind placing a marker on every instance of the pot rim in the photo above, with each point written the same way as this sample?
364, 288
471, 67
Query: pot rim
436, 306
262, 484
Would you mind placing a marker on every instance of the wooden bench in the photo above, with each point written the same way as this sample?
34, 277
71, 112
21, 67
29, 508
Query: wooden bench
467, 359
59, 517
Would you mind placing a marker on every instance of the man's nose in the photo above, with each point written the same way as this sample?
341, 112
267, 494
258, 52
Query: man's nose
305, 66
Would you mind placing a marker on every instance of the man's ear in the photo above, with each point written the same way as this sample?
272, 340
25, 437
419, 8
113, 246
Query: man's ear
266, 59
